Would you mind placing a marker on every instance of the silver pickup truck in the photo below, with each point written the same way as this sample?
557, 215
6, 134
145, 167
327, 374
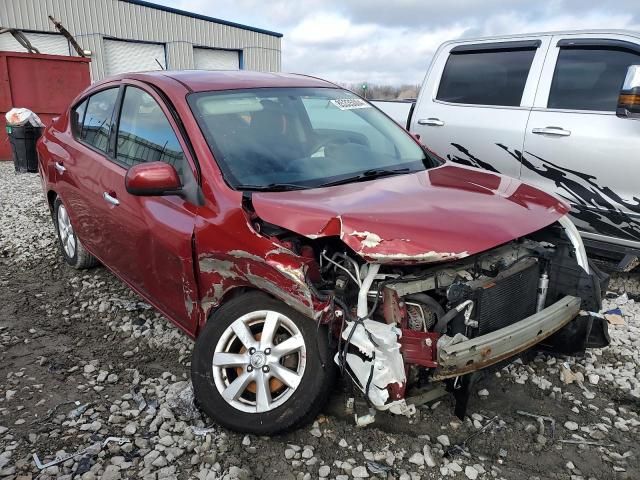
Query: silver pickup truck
546, 108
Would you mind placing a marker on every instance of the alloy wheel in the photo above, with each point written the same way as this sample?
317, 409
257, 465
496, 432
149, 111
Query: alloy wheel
259, 361
67, 237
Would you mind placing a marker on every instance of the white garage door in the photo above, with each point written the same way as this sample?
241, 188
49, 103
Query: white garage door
212, 59
51, 44
122, 57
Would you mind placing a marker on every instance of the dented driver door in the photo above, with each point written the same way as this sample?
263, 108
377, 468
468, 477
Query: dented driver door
149, 237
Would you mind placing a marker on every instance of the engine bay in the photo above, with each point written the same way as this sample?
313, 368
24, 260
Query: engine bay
392, 323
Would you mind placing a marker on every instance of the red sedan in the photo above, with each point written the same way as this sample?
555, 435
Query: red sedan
290, 227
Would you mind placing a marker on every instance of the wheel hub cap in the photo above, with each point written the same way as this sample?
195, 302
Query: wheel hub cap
258, 360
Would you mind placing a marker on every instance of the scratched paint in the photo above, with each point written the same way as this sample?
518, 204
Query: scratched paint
224, 268
301, 302
426, 257
189, 297
294, 273
367, 239
244, 254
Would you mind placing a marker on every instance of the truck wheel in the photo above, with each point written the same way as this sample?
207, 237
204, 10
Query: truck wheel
261, 367
72, 249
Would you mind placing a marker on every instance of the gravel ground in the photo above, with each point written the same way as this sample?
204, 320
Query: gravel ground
83, 359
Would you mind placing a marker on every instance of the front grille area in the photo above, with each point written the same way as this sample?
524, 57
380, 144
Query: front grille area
507, 299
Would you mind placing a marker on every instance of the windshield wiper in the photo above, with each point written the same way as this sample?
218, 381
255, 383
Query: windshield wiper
272, 187
368, 175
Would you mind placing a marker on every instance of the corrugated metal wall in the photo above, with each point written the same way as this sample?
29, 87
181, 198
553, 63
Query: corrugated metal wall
44, 42
92, 20
210, 59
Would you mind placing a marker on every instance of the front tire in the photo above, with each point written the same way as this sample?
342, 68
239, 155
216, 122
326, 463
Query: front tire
261, 367
72, 249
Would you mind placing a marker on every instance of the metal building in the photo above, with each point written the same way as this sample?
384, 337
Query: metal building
135, 35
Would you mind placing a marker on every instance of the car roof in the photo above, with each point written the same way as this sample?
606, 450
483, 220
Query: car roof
206, 80
516, 36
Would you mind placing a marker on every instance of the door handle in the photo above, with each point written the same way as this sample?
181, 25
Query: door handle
59, 167
557, 131
111, 199
432, 122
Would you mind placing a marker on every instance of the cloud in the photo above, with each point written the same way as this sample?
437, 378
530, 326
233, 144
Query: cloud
329, 29
373, 54
380, 41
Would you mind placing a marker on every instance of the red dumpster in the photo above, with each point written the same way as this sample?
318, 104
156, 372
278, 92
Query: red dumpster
44, 84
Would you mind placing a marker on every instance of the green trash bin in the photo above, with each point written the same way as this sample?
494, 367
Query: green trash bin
23, 140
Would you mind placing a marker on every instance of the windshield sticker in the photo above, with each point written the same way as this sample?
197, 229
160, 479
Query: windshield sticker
350, 103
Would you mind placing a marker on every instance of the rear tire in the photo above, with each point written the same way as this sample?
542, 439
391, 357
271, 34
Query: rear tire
271, 381
72, 249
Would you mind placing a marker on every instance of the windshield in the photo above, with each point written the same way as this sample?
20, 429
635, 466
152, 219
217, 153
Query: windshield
274, 138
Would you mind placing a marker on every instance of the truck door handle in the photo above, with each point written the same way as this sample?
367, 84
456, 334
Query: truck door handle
558, 131
432, 122
111, 199
59, 167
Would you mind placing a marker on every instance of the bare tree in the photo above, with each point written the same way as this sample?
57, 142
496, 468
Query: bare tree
384, 92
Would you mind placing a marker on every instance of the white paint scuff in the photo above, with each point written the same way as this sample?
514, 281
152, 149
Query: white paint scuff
369, 240
426, 257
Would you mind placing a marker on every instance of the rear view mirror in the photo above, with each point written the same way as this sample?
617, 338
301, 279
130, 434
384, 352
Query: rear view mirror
629, 99
153, 178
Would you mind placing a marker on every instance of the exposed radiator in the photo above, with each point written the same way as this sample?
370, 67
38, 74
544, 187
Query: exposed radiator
508, 298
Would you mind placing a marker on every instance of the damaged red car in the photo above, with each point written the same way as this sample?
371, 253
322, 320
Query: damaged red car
292, 229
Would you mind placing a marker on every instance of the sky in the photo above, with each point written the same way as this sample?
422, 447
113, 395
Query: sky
393, 41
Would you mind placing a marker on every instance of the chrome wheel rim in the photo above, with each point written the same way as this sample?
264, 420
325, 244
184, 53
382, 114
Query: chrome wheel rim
259, 361
67, 237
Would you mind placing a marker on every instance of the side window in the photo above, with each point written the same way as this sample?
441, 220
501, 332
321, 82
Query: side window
589, 78
495, 77
97, 119
145, 134
77, 118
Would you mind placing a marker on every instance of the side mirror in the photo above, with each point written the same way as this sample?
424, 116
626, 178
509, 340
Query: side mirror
629, 99
151, 179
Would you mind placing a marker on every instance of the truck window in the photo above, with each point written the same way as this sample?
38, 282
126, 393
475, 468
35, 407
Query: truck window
486, 77
589, 78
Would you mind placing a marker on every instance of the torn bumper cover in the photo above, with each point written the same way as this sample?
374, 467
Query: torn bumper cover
459, 358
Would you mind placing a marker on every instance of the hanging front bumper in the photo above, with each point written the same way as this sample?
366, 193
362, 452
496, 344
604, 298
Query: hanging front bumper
485, 350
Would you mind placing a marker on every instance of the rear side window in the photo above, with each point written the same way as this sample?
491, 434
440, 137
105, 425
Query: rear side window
144, 132
486, 77
97, 119
589, 78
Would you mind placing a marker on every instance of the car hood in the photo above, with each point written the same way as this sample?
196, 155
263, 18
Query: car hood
440, 214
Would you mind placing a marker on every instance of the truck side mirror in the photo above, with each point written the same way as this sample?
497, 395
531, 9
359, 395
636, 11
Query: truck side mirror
629, 99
